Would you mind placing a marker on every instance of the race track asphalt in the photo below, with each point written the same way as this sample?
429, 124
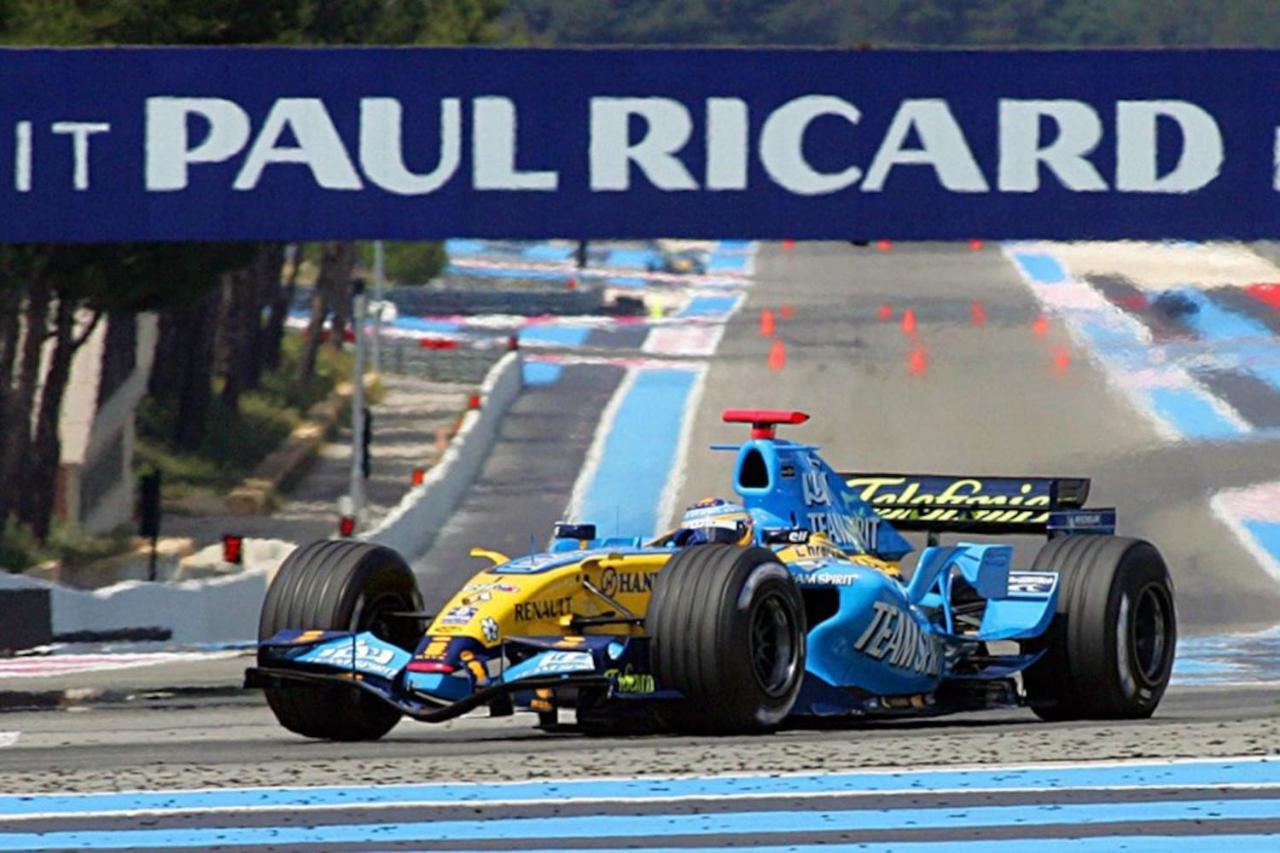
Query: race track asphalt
992, 399
191, 743
526, 482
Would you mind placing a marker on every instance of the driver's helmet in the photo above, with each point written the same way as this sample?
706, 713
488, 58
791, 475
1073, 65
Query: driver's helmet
714, 520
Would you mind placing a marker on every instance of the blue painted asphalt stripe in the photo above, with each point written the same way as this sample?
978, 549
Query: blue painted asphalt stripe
1249, 341
508, 272
632, 828
630, 475
1242, 772
541, 373
558, 334
1192, 413
711, 306
634, 258
1266, 534
719, 262
1041, 267
465, 247
545, 252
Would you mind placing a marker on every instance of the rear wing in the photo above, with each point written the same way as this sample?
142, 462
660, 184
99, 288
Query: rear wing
941, 503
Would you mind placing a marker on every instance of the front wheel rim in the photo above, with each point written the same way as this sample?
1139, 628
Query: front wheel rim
1150, 633
774, 645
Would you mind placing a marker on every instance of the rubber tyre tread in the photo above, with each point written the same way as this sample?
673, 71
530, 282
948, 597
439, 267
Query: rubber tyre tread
1077, 677
319, 587
691, 622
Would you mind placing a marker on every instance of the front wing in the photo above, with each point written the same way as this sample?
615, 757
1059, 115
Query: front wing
520, 669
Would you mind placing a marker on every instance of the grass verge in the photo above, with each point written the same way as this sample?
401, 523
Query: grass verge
236, 441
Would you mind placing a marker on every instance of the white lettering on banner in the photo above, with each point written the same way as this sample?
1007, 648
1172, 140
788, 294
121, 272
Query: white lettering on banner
22, 157
668, 127
1136, 149
1078, 132
1275, 181
182, 133
726, 144
168, 148
493, 149
382, 147
319, 146
942, 146
80, 131
782, 145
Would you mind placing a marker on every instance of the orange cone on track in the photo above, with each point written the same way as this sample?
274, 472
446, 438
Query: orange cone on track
788, 245
1061, 360
767, 324
1041, 325
884, 245
909, 321
976, 245
777, 355
787, 312
918, 362
978, 313
885, 312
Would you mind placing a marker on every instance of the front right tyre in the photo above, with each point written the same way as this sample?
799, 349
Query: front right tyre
339, 585
727, 630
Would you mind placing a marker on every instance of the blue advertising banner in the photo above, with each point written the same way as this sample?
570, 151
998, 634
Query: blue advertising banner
257, 143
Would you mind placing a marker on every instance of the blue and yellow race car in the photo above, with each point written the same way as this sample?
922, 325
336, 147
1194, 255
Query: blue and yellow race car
789, 600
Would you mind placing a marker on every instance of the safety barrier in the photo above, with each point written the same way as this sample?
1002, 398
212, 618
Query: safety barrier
225, 609
412, 525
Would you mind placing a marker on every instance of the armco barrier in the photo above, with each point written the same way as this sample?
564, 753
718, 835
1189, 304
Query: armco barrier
218, 610
412, 525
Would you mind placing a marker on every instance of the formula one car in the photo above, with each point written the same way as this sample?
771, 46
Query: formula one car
683, 262
789, 602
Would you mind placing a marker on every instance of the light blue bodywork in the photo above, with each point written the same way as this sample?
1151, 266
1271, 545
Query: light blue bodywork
875, 643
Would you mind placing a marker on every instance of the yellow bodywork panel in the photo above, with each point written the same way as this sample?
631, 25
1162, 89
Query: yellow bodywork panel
819, 547
494, 604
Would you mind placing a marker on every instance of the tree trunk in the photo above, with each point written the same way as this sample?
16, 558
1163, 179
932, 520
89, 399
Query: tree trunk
40, 487
16, 451
236, 335
339, 267
168, 367
10, 331
332, 292
315, 326
282, 301
196, 328
267, 291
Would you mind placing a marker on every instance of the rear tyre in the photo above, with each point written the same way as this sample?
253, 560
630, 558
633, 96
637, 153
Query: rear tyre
727, 630
1109, 651
339, 586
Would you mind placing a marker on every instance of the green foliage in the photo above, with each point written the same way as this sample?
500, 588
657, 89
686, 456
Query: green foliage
68, 544
933, 23
19, 550
408, 263
235, 441
226, 22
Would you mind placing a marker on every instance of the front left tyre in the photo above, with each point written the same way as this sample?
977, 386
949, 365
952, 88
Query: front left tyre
339, 585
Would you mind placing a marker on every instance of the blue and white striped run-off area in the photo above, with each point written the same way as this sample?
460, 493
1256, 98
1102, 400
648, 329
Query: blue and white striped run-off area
1160, 805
